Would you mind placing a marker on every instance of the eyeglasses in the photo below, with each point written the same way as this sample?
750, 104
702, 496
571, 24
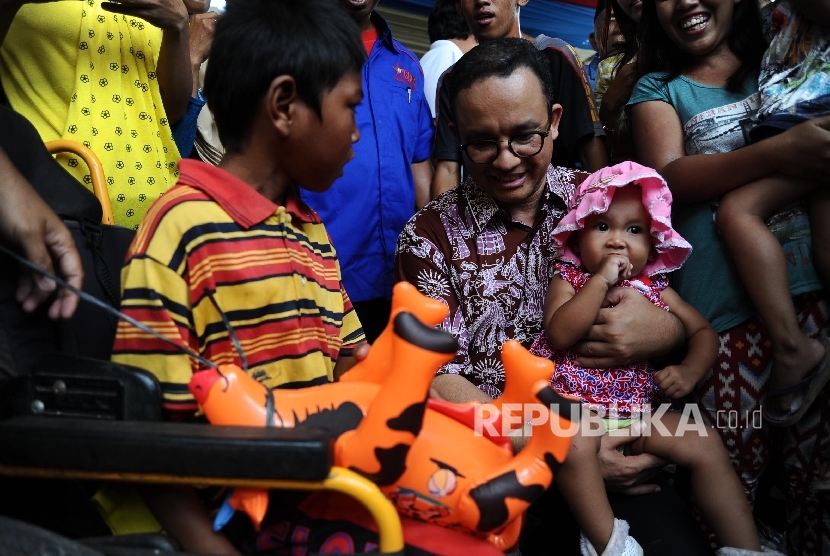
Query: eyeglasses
523, 146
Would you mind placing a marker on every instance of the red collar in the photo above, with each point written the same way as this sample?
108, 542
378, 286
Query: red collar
245, 205
369, 38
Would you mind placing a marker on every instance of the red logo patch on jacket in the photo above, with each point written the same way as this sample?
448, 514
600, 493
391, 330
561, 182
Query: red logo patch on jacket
404, 76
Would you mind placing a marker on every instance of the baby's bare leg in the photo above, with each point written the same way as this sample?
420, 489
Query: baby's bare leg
580, 482
715, 485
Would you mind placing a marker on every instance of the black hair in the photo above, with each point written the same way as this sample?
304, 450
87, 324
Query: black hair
313, 41
745, 40
446, 23
628, 29
499, 58
601, 5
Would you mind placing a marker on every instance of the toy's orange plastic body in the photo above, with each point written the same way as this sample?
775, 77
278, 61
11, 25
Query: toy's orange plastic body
424, 456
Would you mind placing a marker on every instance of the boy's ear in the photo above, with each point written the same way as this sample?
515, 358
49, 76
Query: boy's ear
280, 103
652, 254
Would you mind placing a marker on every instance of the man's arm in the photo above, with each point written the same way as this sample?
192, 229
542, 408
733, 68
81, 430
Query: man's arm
422, 174
447, 175
202, 27
629, 329
593, 154
580, 132
447, 155
26, 222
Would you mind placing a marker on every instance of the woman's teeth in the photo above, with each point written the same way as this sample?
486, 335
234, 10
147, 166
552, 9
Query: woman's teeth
694, 23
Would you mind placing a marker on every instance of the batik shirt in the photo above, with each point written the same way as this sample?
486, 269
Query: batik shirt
491, 270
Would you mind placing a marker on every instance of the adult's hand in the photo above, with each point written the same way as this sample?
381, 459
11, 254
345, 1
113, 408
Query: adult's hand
202, 27
804, 150
196, 6
164, 14
627, 474
629, 328
26, 222
344, 364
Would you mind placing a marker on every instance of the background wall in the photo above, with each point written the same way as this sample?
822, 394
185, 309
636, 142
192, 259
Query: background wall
569, 20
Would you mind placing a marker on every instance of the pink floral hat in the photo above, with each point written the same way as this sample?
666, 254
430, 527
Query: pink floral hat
594, 195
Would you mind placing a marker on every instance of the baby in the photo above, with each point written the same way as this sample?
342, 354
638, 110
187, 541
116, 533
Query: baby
618, 233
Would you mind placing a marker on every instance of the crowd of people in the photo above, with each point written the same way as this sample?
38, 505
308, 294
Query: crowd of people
616, 224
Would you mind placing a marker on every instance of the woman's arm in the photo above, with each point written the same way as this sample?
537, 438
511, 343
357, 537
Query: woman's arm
678, 380
173, 68
802, 151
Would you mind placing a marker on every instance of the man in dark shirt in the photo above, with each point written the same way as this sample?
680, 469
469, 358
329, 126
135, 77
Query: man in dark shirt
581, 137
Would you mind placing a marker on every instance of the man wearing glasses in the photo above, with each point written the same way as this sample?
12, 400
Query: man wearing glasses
484, 248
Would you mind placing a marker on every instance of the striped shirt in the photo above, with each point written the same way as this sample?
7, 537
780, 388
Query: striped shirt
271, 269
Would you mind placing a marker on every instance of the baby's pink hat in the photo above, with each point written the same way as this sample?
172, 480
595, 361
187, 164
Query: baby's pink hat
594, 195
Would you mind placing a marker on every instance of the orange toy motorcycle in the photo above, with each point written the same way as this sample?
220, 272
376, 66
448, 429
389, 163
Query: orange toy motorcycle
423, 454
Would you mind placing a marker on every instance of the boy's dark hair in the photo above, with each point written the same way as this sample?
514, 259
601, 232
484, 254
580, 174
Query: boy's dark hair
314, 41
499, 58
446, 23
659, 53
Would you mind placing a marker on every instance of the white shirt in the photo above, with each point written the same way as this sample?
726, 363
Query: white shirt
441, 55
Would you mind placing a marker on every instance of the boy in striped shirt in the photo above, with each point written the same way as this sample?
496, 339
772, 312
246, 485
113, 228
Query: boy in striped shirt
236, 241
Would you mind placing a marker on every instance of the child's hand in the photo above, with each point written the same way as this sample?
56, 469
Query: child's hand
614, 268
675, 380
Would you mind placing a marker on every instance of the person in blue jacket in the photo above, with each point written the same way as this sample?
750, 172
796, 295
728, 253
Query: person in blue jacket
388, 179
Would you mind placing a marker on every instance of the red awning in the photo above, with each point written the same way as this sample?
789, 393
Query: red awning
586, 3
